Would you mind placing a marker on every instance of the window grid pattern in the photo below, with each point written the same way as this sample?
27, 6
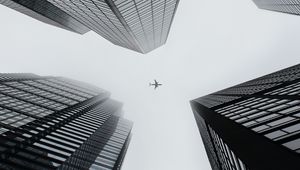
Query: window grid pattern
23, 107
269, 106
98, 16
215, 100
251, 87
90, 89
229, 160
246, 90
17, 76
13, 118
34, 99
38, 133
208, 143
70, 137
139, 25
47, 13
65, 88
55, 90
42, 93
293, 89
276, 118
288, 74
149, 20
270, 117
114, 145
285, 6
84, 91
39, 154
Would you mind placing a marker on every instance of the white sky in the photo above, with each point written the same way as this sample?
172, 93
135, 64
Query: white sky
212, 45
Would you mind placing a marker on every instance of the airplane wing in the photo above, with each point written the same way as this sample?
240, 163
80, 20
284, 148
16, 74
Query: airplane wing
155, 81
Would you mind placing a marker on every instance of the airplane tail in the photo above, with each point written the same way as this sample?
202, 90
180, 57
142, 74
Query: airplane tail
149, 84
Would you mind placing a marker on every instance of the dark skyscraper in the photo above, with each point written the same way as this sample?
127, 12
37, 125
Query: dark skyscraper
141, 25
254, 125
285, 6
58, 123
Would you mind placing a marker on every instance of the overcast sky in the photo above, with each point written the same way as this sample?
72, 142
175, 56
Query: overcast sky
212, 45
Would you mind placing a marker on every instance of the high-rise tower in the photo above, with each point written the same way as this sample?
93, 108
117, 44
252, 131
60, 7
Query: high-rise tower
254, 125
284, 6
139, 25
58, 123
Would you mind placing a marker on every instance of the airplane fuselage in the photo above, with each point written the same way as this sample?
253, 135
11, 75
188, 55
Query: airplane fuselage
155, 85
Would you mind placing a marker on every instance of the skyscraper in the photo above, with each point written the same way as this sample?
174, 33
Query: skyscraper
254, 125
139, 25
47, 13
58, 123
284, 6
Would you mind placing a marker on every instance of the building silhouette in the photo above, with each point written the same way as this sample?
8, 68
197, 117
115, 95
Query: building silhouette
284, 6
137, 25
58, 123
254, 125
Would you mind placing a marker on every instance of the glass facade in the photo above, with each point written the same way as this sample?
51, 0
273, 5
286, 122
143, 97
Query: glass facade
148, 20
47, 13
285, 6
139, 25
266, 109
58, 123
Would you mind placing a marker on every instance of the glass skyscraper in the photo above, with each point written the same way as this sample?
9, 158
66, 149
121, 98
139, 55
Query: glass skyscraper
47, 13
254, 125
284, 6
59, 123
139, 25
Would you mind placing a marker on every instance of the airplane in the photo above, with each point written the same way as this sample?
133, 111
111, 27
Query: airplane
155, 84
